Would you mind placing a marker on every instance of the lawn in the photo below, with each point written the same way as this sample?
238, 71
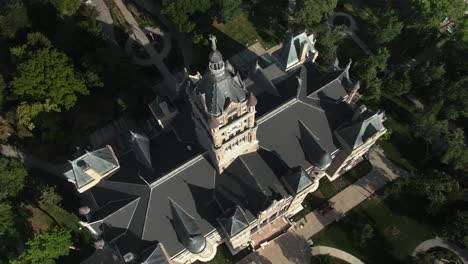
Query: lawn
43, 217
330, 189
224, 256
396, 231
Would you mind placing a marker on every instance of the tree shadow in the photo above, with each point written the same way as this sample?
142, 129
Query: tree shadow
294, 247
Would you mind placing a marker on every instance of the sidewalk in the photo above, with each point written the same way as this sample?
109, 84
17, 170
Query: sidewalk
292, 247
381, 174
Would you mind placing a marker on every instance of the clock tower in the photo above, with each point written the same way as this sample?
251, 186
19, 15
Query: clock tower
223, 111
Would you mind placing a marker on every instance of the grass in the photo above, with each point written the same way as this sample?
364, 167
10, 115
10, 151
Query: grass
396, 231
224, 256
330, 189
43, 217
143, 18
117, 16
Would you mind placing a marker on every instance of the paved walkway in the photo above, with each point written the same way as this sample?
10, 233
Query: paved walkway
292, 247
184, 41
164, 52
336, 253
383, 171
33, 162
139, 35
105, 18
351, 30
438, 242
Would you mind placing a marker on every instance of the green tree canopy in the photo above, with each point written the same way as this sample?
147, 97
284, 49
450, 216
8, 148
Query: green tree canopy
328, 40
184, 13
456, 151
229, 9
12, 177
309, 13
388, 27
397, 83
46, 248
368, 70
455, 94
7, 221
47, 74
458, 228
66, 7
13, 18
436, 186
430, 13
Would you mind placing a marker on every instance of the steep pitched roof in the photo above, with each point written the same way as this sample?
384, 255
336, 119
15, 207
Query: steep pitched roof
233, 221
154, 255
288, 54
298, 179
101, 161
187, 229
315, 153
141, 149
357, 133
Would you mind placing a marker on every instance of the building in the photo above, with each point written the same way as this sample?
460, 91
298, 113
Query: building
265, 137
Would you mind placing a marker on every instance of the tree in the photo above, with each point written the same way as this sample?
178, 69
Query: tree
13, 18
397, 86
3, 87
184, 13
388, 27
426, 74
7, 221
455, 97
367, 70
66, 7
88, 22
328, 40
457, 230
12, 177
46, 248
229, 9
47, 74
49, 196
456, 151
309, 13
6, 130
436, 186
427, 15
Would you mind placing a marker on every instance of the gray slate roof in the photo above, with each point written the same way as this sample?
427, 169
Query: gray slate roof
219, 92
315, 153
357, 133
251, 182
234, 221
154, 255
298, 179
141, 149
187, 229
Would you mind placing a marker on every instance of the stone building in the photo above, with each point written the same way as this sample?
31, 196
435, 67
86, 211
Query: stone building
236, 164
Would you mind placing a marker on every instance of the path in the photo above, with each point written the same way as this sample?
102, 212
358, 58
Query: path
383, 171
148, 61
183, 40
351, 30
33, 162
291, 247
336, 253
139, 35
438, 242
105, 18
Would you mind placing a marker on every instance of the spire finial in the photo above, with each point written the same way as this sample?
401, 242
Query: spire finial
213, 42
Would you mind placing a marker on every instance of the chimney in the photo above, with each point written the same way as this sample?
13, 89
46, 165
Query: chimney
353, 92
358, 112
